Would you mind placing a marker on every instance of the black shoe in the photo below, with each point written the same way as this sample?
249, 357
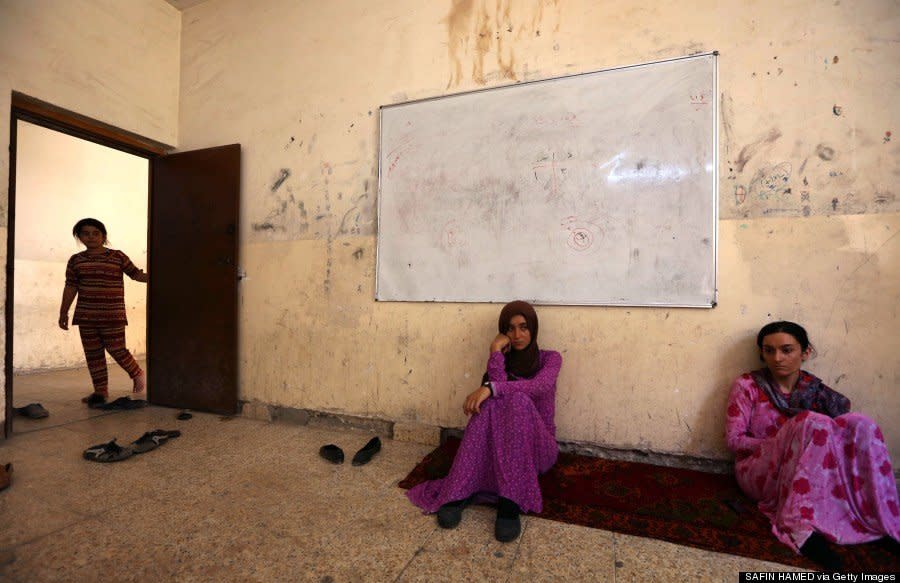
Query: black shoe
508, 526
367, 452
94, 400
332, 453
449, 515
33, 411
816, 549
123, 404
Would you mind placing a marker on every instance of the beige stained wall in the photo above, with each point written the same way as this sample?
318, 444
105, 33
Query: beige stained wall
809, 216
113, 61
76, 179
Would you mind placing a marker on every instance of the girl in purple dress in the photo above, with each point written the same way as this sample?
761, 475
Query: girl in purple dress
511, 436
818, 472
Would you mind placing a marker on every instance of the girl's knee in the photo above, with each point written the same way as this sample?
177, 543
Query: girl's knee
519, 400
858, 423
812, 420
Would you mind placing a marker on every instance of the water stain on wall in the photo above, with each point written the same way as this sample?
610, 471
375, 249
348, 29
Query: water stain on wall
478, 30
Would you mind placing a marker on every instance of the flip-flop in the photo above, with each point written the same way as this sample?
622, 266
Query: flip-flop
332, 453
107, 452
184, 416
163, 435
33, 411
367, 452
152, 439
146, 442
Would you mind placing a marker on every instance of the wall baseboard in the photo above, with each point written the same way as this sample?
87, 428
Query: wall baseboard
422, 433
434, 435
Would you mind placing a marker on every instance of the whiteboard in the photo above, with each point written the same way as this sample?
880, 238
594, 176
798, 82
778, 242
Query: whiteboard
599, 188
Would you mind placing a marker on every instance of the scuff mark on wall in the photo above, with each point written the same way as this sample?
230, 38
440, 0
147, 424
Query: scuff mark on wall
691, 48
727, 106
286, 215
283, 175
825, 152
751, 149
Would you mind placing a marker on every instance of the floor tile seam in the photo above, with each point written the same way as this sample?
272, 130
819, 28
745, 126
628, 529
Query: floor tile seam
615, 567
51, 504
81, 519
512, 563
416, 553
67, 423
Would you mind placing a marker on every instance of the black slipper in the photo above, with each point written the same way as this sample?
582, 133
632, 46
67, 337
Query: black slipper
508, 526
332, 453
164, 435
94, 400
33, 411
146, 442
184, 416
123, 404
816, 549
152, 439
367, 452
449, 515
107, 452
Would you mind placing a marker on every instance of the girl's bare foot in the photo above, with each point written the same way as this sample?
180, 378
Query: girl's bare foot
140, 383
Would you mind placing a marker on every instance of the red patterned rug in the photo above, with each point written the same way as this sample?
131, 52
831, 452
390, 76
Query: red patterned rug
686, 507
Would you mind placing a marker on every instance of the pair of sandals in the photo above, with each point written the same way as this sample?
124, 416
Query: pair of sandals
335, 455
113, 452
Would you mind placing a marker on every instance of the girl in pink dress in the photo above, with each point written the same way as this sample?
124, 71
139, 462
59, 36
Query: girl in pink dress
511, 436
818, 472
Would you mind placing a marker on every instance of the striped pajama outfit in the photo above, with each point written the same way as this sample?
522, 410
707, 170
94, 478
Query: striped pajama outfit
100, 312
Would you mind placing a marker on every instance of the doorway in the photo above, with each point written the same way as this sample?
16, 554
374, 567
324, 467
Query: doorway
190, 240
61, 179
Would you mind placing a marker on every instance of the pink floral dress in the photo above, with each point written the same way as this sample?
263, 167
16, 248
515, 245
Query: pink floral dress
811, 472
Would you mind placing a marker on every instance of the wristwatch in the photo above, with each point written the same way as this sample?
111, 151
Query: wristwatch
489, 386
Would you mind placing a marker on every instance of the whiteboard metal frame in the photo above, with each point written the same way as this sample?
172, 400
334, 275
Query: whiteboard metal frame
715, 189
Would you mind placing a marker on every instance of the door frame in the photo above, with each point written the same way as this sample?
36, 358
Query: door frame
44, 114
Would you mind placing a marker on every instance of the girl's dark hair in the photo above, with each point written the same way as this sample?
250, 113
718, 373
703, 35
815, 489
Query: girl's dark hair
795, 330
76, 230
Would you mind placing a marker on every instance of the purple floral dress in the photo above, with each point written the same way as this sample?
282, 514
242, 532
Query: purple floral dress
810, 472
506, 446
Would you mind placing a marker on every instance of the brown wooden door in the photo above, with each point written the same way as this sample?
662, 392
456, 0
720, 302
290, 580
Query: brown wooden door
192, 319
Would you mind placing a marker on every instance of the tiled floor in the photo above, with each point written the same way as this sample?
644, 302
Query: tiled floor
243, 500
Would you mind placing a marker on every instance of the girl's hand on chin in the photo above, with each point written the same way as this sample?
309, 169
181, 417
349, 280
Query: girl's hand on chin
500, 343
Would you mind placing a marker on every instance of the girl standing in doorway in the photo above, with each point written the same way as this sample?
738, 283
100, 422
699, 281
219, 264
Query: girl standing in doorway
95, 276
